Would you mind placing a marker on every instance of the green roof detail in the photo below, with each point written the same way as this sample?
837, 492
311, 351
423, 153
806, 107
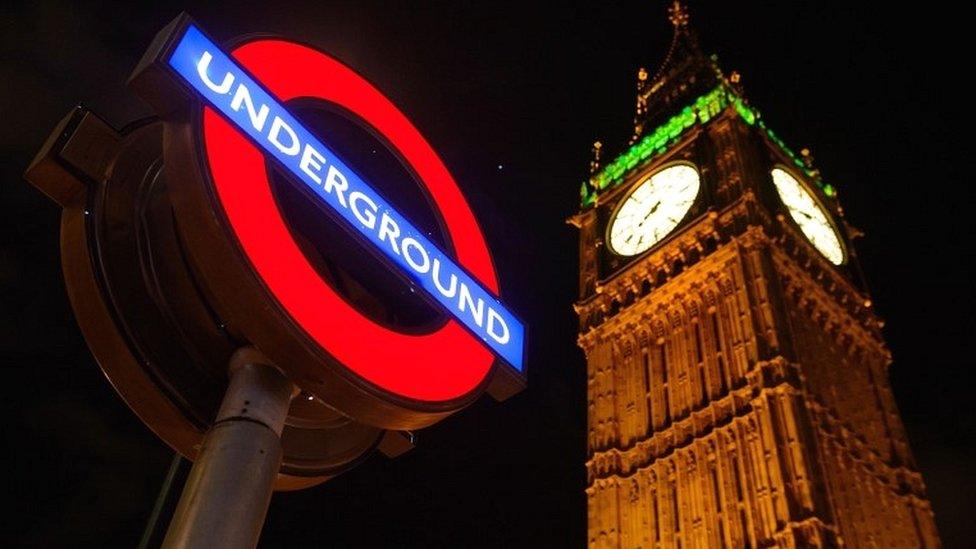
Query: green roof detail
654, 144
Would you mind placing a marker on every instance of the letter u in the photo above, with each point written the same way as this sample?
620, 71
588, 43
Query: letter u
448, 293
202, 67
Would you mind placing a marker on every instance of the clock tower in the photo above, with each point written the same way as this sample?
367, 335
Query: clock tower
737, 376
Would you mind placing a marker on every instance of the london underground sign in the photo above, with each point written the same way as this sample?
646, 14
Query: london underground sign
214, 320
228, 88
243, 124
179, 261
210, 316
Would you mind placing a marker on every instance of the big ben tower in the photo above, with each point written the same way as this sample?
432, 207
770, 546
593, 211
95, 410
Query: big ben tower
737, 376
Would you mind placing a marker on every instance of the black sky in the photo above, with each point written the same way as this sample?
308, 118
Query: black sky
877, 94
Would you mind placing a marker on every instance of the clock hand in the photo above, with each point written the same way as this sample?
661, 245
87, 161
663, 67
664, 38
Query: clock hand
650, 213
808, 216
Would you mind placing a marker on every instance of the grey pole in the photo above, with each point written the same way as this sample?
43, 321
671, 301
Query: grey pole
226, 496
165, 496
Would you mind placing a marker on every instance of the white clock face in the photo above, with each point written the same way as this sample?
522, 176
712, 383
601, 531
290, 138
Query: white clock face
653, 209
809, 215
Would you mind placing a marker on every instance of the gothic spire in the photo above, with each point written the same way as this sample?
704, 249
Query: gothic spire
684, 42
681, 63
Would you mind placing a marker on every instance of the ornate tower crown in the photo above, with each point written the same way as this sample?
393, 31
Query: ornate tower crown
688, 90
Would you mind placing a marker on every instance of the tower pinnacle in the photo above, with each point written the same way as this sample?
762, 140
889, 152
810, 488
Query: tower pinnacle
678, 14
683, 66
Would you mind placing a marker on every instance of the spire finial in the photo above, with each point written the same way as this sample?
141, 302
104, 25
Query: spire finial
641, 104
807, 158
678, 14
595, 163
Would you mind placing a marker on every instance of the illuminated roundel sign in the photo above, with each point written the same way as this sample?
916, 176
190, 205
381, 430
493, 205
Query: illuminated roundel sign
244, 123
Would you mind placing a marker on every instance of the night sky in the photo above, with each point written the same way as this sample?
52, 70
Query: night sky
511, 98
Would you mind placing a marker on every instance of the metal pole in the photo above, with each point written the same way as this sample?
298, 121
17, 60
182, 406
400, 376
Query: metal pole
226, 496
164, 498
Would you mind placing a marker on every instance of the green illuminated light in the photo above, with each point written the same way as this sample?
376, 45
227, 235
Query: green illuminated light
744, 111
656, 143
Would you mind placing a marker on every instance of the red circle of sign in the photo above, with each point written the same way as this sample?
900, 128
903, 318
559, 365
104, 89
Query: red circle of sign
438, 366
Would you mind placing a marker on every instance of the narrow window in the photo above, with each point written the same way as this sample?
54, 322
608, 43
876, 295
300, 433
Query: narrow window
674, 502
735, 477
657, 518
664, 362
704, 382
715, 490
664, 383
716, 331
646, 372
667, 407
723, 387
702, 378
745, 527
698, 340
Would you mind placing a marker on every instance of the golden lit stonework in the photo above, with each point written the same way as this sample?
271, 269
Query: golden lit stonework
737, 377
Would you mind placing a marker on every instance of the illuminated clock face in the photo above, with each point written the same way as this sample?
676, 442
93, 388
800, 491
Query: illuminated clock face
808, 215
653, 209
